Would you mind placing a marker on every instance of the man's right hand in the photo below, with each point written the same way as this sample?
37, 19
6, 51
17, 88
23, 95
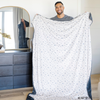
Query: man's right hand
36, 14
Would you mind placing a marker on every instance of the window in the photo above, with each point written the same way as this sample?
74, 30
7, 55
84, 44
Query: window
8, 29
6, 26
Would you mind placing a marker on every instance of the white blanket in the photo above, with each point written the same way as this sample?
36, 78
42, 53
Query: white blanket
61, 58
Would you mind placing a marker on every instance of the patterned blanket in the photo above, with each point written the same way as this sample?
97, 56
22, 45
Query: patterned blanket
61, 58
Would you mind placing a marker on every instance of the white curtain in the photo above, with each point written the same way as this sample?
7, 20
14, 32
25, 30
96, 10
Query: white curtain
17, 16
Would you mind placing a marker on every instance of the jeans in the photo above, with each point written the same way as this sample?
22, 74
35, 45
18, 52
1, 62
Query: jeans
89, 88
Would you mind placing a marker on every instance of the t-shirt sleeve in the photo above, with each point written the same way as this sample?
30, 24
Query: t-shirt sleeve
71, 18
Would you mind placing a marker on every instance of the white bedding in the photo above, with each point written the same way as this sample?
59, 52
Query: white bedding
61, 58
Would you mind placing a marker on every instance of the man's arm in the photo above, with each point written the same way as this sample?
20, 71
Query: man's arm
24, 24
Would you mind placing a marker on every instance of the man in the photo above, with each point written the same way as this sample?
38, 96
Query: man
60, 14
59, 8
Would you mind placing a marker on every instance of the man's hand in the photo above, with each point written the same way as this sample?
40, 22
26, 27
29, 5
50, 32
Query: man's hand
22, 20
36, 14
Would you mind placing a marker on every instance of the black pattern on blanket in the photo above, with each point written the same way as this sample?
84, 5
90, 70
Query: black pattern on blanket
61, 58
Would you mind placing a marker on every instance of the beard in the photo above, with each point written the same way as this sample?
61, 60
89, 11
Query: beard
59, 13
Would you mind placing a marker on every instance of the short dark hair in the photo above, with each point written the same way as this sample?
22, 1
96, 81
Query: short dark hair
58, 2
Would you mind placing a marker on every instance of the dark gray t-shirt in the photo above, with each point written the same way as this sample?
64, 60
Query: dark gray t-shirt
65, 18
68, 18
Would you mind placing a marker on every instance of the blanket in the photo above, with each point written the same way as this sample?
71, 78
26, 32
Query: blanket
61, 58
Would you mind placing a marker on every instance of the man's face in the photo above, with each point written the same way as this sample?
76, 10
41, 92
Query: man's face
59, 8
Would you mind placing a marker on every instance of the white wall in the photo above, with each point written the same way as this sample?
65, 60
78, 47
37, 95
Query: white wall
93, 6
72, 8
43, 7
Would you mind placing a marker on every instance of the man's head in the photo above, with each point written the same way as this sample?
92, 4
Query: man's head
59, 7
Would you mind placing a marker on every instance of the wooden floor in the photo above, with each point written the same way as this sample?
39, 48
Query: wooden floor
21, 94
95, 79
15, 94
